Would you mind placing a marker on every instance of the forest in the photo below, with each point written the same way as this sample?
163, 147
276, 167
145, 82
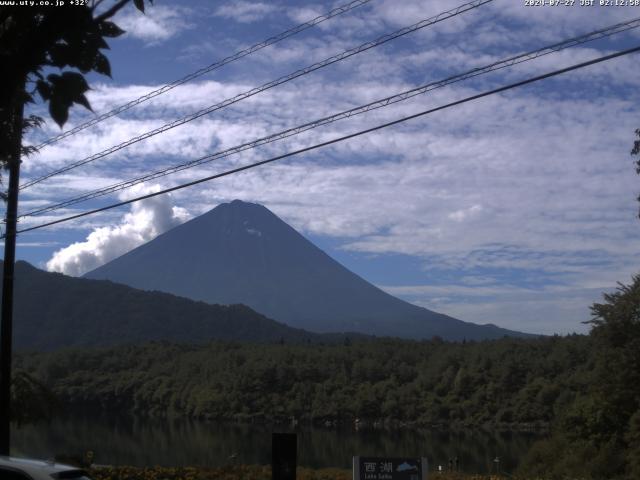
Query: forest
583, 389
510, 383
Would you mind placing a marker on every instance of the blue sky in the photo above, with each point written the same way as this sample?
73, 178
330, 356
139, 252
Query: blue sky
518, 209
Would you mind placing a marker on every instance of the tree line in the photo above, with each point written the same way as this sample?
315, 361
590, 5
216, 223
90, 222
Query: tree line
510, 382
583, 389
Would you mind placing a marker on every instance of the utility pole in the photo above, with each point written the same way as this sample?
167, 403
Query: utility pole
14, 137
27, 43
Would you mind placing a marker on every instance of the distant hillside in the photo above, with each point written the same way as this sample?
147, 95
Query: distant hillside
242, 253
511, 383
54, 310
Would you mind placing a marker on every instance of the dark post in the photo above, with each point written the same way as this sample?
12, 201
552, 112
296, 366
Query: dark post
284, 451
6, 327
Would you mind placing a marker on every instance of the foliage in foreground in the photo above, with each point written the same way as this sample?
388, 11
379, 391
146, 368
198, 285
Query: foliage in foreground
587, 388
598, 435
241, 472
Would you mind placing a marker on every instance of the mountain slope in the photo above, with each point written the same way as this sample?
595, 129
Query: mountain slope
242, 253
53, 310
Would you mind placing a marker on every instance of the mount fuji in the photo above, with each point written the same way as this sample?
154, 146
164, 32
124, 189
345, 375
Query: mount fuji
243, 253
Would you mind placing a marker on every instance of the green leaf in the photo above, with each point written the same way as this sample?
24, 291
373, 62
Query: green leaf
139, 5
82, 100
66, 89
101, 64
32, 121
58, 111
44, 89
86, 60
99, 41
75, 81
110, 29
74, 86
61, 55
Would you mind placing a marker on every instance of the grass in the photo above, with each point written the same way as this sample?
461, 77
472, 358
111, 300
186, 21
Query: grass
244, 472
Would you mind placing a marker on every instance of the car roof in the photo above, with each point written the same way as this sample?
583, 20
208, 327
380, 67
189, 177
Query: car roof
32, 466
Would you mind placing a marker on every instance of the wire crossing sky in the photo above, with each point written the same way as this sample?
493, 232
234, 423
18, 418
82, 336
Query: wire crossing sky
336, 140
514, 60
209, 68
518, 210
274, 83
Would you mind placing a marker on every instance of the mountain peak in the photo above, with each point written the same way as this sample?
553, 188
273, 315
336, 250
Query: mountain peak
236, 209
241, 252
228, 226
239, 205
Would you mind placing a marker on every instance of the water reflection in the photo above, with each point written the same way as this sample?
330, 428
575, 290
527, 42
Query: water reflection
179, 442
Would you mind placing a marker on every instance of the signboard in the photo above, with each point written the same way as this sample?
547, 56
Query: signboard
381, 468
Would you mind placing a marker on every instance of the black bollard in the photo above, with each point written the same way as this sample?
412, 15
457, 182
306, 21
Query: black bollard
284, 456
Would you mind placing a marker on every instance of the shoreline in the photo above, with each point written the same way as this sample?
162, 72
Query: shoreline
330, 424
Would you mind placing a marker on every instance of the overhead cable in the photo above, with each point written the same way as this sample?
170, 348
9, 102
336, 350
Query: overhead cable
250, 93
514, 60
337, 140
198, 73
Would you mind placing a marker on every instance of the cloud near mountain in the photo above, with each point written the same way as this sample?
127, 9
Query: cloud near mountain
242, 253
146, 220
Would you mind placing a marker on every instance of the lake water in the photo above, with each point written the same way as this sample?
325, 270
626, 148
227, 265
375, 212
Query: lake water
180, 442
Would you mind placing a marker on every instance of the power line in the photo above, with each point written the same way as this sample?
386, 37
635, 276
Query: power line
514, 60
198, 73
225, 103
339, 139
284, 79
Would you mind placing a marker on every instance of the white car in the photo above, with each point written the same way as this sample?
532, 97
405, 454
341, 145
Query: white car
12, 468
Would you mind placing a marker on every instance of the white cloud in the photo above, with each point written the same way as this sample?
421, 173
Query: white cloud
546, 309
461, 215
306, 13
566, 21
146, 220
245, 11
537, 180
158, 24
